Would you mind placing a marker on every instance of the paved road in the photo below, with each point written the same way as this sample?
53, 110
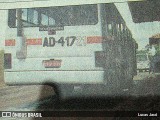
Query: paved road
31, 97
15, 96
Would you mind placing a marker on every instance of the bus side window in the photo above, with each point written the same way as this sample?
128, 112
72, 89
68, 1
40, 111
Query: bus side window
124, 32
113, 28
121, 31
110, 29
118, 30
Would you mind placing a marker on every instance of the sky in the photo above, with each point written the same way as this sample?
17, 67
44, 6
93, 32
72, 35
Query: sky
141, 31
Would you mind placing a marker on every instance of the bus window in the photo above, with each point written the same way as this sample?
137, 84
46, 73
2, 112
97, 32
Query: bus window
110, 29
24, 14
118, 30
32, 16
29, 17
12, 18
51, 21
59, 16
124, 31
44, 19
114, 29
121, 27
72, 15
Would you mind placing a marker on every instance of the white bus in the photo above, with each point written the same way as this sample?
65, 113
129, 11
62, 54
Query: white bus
84, 50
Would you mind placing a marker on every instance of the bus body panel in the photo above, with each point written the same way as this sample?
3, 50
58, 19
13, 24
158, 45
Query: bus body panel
67, 63
100, 53
40, 77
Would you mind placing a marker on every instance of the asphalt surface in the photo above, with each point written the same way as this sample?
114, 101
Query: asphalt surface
144, 97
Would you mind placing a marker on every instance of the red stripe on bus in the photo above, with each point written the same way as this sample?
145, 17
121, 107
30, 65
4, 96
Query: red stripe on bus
10, 42
94, 39
34, 41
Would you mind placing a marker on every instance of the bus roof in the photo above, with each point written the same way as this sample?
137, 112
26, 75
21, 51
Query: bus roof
12, 4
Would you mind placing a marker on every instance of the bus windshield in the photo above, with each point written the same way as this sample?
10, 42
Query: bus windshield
56, 16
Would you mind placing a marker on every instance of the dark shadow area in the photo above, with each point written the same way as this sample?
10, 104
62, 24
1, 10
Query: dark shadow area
157, 67
146, 98
50, 101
